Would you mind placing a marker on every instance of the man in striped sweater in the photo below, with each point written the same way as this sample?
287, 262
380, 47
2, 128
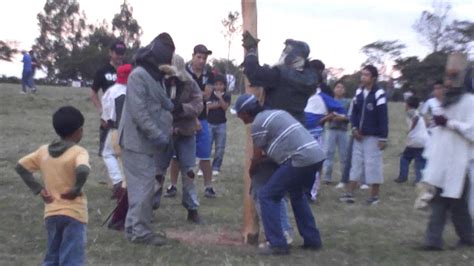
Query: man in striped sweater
279, 136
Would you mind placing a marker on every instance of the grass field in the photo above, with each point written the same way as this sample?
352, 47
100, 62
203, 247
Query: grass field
352, 234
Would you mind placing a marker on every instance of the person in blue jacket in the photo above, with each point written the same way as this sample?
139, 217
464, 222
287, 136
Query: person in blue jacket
319, 109
369, 121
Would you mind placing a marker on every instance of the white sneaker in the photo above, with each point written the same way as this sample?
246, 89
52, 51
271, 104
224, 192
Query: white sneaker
288, 237
364, 186
215, 172
199, 173
264, 244
340, 185
22, 92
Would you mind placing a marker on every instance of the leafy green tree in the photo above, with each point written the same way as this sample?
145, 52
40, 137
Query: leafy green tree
126, 27
419, 76
7, 50
438, 31
432, 26
461, 36
72, 49
382, 54
62, 27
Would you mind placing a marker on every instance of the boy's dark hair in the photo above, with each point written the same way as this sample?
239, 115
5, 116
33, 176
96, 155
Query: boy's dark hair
413, 102
221, 78
317, 65
254, 109
66, 120
338, 82
438, 82
373, 70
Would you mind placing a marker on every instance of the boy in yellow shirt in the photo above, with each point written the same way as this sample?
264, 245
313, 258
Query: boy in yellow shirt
64, 167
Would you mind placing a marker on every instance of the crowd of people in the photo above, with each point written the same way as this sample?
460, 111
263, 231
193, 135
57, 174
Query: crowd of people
161, 113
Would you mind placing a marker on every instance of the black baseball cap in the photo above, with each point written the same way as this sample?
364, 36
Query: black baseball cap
118, 47
201, 49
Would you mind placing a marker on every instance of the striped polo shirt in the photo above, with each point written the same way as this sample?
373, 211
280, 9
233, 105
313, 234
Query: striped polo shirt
282, 138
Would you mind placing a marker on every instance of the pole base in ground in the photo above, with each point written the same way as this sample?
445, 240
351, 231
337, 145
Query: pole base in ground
251, 239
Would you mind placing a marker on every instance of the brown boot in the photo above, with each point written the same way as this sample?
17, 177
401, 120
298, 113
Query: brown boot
193, 216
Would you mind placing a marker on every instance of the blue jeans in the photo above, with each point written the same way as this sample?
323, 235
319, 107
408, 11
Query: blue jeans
285, 220
259, 179
405, 159
26, 80
296, 181
203, 141
184, 148
218, 138
334, 139
66, 241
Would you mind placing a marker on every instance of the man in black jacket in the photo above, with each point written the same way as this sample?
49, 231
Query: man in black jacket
289, 83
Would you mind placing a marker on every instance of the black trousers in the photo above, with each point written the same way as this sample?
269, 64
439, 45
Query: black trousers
460, 217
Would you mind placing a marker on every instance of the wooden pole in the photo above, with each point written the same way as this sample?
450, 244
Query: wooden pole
250, 228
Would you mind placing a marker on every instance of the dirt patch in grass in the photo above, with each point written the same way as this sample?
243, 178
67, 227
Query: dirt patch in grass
195, 237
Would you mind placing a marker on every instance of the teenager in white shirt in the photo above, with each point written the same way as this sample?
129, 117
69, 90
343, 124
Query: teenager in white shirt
415, 143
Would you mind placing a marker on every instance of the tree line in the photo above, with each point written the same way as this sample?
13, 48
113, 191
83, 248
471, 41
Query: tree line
436, 30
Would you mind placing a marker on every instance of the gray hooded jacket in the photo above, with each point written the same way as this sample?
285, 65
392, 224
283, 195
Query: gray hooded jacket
146, 117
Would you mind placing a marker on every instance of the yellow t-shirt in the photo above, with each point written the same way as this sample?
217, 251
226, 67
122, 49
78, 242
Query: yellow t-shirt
59, 176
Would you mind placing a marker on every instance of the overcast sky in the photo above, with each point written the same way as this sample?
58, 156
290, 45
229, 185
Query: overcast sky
334, 29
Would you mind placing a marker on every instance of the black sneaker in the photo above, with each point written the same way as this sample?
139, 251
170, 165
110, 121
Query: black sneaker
464, 244
428, 248
153, 240
193, 217
347, 198
400, 180
311, 247
372, 201
171, 192
119, 226
209, 193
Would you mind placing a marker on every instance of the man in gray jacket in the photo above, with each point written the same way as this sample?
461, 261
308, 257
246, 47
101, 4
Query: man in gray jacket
145, 130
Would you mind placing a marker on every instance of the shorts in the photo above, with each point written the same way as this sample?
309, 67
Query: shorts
367, 159
203, 141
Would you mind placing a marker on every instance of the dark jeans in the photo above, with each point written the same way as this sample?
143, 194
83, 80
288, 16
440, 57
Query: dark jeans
66, 241
405, 159
460, 217
347, 166
295, 181
26, 80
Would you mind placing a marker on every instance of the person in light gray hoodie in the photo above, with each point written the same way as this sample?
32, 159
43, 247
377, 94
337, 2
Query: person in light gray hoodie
144, 131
